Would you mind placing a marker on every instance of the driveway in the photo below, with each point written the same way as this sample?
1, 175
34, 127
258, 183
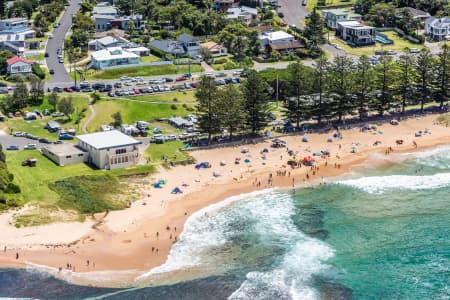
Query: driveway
294, 12
61, 77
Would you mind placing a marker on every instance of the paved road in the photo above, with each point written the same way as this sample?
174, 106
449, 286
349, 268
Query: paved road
61, 76
294, 12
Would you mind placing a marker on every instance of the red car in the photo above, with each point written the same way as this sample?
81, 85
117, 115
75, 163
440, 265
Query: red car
68, 90
137, 91
194, 85
181, 78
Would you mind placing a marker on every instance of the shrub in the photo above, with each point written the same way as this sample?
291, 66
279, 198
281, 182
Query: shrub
175, 99
220, 61
230, 66
174, 107
12, 188
36, 68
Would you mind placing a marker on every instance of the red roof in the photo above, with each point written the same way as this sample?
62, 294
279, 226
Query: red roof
15, 59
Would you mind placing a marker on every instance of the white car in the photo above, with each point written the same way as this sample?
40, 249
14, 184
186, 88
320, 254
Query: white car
338, 47
123, 78
171, 137
414, 50
391, 52
18, 134
30, 147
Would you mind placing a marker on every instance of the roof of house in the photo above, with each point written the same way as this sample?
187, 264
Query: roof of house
186, 38
107, 139
414, 12
138, 49
178, 121
277, 35
337, 11
112, 53
104, 17
438, 23
354, 24
104, 10
211, 45
14, 20
167, 46
235, 12
16, 59
287, 45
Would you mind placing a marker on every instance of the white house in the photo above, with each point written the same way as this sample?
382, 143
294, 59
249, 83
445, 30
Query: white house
13, 33
111, 57
438, 29
19, 65
355, 33
105, 9
267, 38
333, 16
109, 149
107, 42
244, 13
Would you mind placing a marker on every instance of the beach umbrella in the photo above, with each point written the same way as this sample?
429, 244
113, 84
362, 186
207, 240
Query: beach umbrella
308, 159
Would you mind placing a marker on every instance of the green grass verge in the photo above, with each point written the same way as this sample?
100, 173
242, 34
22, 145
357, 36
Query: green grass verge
399, 45
141, 71
133, 111
149, 58
155, 152
312, 3
181, 97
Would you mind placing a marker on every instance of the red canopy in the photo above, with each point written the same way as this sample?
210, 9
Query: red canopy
308, 159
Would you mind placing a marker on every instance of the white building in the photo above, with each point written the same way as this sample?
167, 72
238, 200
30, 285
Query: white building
109, 149
19, 65
267, 38
244, 13
438, 29
111, 57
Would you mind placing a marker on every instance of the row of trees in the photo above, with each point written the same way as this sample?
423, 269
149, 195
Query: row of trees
22, 97
232, 108
331, 90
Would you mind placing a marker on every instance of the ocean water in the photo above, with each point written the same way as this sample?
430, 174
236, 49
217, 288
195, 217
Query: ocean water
378, 233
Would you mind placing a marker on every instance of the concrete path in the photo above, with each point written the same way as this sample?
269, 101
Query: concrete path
90, 118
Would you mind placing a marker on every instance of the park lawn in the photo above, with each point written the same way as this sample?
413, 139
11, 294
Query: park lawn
141, 71
312, 3
36, 127
34, 181
150, 58
154, 152
182, 97
133, 111
399, 45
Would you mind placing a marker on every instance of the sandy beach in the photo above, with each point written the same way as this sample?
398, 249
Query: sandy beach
133, 241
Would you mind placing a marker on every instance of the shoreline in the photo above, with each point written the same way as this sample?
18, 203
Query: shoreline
122, 243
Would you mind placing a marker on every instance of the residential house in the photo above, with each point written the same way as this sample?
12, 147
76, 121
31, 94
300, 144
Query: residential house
19, 65
267, 38
105, 9
107, 42
13, 34
103, 22
416, 14
112, 57
109, 149
223, 4
243, 13
286, 47
122, 22
355, 33
214, 48
186, 44
438, 29
334, 16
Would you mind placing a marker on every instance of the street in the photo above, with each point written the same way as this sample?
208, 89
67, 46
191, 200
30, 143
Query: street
60, 77
294, 12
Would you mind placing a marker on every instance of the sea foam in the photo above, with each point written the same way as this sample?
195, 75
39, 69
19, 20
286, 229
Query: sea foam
382, 184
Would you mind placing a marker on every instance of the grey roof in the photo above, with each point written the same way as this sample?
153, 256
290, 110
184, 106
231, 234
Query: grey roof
64, 149
186, 38
438, 23
99, 17
105, 10
178, 121
107, 139
414, 12
168, 46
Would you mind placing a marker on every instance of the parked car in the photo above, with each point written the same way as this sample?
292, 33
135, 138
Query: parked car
65, 136
136, 91
30, 147
61, 60
18, 134
45, 141
3, 91
118, 85
280, 14
111, 94
13, 147
123, 78
57, 114
181, 78
187, 75
68, 90
30, 136
87, 90
167, 79
221, 74
58, 89
391, 52
414, 50
52, 72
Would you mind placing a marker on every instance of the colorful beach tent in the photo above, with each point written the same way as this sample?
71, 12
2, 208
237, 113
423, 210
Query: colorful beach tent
157, 185
177, 191
201, 165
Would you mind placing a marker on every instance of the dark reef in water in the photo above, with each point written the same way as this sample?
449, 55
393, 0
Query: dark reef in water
332, 291
310, 221
20, 283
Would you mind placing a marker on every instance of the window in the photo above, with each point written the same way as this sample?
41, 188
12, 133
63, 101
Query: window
68, 156
81, 154
121, 151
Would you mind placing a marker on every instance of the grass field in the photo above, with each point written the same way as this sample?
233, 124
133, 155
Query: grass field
312, 3
181, 97
36, 57
36, 127
399, 45
133, 111
149, 58
141, 71
155, 152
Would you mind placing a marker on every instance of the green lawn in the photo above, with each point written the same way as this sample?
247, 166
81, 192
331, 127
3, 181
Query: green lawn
133, 111
182, 97
312, 3
141, 71
399, 45
170, 149
149, 58
36, 127
36, 57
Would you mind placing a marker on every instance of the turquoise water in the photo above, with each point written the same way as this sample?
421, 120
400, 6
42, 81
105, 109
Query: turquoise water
380, 233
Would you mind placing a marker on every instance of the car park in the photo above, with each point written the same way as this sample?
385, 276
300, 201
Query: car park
13, 147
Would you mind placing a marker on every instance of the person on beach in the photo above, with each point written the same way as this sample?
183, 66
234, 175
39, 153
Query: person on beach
17, 255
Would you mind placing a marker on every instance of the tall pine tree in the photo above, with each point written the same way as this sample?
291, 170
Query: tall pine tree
207, 106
